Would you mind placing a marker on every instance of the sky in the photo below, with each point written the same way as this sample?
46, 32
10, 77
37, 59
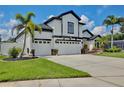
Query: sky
92, 15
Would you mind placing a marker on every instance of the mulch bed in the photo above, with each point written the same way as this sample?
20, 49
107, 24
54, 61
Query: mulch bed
16, 59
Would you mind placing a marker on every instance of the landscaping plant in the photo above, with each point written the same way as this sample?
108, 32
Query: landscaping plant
28, 26
111, 21
85, 49
114, 49
14, 52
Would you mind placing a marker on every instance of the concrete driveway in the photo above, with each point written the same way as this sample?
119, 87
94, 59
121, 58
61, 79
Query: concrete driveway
105, 71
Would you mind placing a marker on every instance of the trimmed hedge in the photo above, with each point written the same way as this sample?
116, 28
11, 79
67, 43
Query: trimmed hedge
114, 49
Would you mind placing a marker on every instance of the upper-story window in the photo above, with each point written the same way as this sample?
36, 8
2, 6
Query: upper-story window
70, 27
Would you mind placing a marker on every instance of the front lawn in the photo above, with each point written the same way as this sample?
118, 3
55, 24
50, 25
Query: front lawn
110, 54
39, 68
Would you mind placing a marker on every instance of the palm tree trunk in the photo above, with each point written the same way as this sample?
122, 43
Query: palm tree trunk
112, 36
23, 46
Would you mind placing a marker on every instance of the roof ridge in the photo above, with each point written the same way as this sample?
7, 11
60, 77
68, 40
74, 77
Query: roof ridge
62, 14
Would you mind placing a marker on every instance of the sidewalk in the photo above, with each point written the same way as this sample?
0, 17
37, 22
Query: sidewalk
68, 82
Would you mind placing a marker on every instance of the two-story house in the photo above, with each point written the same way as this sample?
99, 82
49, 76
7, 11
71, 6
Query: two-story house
64, 32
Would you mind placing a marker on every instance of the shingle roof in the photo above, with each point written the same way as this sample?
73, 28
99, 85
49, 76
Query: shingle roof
72, 12
95, 36
45, 27
88, 32
50, 19
62, 14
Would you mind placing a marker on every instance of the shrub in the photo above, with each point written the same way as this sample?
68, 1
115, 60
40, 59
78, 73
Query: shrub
33, 52
14, 52
85, 46
54, 51
114, 49
85, 49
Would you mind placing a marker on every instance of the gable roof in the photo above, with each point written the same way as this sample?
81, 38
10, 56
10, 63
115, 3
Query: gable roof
44, 28
50, 19
68, 12
95, 36
92, 35
88, 32
62, 14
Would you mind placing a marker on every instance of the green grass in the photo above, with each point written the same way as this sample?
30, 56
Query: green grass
39, 68
117, 54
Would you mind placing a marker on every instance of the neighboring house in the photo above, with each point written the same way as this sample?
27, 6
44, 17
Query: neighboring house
64, 32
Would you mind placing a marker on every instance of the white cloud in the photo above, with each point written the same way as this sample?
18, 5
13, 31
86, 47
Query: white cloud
106, 33
50, 16
1, 15
99, 30
116, 29
90, 25
11, 23
5, 34
84, 19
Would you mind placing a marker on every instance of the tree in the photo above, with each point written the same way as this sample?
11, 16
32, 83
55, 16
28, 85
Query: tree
27, 26
111, 21
103, 41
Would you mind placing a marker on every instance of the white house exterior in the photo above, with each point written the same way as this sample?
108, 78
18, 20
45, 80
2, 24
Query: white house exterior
64, 32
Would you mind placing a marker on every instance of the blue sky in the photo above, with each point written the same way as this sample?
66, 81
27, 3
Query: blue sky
94, 13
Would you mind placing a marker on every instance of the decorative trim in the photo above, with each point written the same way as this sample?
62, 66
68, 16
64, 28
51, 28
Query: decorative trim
70, 37
42, 39
67, 40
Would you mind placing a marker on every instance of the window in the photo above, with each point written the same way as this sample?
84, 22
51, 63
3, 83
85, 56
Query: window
56, 42
36, 41
44, 42
48, 42
60, 42
70, 27
40, 42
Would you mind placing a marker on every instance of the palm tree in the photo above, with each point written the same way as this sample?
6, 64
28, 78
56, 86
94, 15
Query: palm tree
103, 41
111, 21
27, 26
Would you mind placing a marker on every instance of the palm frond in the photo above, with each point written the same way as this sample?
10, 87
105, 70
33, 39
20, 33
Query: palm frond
20, 18
17, 28
31, 28
107, 22
29, 15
